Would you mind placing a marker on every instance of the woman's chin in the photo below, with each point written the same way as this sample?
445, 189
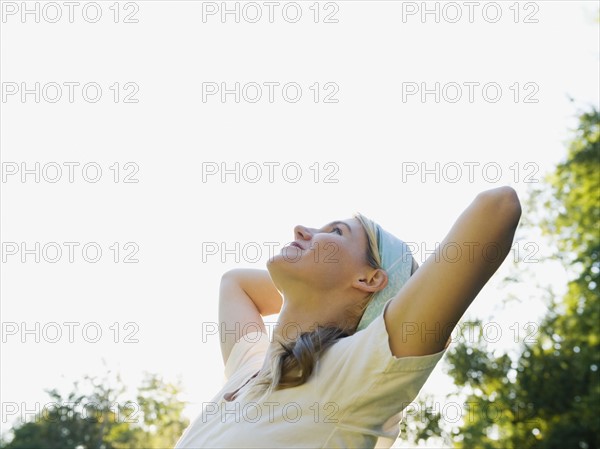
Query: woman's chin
288, 256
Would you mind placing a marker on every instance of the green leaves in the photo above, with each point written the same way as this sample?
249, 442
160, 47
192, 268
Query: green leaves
549, 395
105, 418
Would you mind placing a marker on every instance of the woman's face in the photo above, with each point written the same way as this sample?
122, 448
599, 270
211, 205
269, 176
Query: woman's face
329, 257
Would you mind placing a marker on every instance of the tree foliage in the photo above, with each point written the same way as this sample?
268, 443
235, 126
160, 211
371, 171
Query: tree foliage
548, 395
104, 418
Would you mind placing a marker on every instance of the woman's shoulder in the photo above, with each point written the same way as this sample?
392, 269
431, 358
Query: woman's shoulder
368, 351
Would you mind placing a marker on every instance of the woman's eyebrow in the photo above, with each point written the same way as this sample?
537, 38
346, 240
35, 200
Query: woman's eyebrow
337, 222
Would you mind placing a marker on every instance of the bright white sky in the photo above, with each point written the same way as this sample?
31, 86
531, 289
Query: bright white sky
368, 134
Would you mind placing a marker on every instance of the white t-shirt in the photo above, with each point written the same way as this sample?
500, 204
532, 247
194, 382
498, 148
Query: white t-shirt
353, 398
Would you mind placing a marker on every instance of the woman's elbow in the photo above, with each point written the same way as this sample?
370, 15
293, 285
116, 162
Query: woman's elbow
506, 201
512, 203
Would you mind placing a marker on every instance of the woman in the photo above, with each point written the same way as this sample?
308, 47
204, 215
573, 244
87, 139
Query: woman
359, 330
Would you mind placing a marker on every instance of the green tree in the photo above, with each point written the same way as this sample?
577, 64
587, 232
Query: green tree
104, 418
161, 410
547, 393
553, 400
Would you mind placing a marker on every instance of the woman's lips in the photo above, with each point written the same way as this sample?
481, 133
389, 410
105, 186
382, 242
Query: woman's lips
296, 245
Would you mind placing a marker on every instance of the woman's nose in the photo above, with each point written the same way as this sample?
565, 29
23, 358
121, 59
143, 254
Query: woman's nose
302, 232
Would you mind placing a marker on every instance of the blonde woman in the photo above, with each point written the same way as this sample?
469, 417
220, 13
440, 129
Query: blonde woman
359, 330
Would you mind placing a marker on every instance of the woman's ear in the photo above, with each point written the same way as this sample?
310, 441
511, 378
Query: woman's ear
380, 279
373, 281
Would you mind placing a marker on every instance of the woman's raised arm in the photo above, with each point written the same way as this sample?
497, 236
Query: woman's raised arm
421, 317
245, 295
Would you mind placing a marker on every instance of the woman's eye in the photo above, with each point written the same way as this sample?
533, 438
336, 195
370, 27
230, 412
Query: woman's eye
338, 230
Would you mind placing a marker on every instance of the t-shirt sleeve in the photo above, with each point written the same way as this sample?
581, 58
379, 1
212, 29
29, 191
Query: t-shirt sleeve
251, 348
370, 381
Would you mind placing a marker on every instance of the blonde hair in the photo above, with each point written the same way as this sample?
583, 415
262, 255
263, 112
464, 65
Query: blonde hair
292, 363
